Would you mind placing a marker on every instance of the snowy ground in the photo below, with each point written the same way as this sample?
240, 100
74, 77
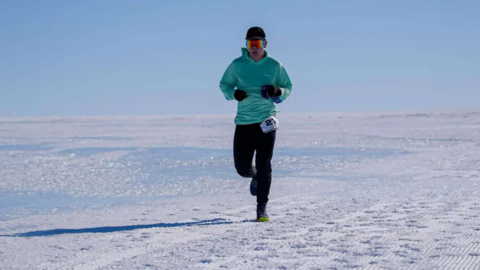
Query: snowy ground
362, 191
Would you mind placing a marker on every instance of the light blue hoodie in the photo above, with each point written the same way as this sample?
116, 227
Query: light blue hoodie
246, 74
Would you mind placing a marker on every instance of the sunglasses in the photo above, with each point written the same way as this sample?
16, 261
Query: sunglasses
255, 43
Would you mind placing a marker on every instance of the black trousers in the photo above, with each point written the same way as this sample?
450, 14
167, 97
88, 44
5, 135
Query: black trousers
249, 140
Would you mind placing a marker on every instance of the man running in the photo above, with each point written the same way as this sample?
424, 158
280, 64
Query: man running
258, 82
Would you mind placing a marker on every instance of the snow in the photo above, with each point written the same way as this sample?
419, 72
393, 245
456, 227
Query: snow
392, 190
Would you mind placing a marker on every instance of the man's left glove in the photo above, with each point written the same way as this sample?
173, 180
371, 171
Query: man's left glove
271, 91
240, 95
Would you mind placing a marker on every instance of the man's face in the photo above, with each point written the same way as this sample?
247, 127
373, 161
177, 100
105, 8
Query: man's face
256, 46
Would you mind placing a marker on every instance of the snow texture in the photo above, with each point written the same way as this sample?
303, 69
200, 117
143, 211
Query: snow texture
349, 191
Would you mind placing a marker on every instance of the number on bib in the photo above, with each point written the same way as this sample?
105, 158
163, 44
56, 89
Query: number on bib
269, 124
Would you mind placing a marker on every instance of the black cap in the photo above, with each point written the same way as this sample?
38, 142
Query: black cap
255, 32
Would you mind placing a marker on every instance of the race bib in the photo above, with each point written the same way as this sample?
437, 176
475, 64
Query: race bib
269, 124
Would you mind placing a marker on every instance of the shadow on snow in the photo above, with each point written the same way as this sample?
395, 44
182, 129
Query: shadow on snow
218, 221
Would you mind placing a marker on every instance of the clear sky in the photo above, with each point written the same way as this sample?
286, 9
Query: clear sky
109, 57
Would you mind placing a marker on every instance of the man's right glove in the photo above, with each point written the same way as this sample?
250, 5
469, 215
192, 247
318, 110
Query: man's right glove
239, 95
271, 91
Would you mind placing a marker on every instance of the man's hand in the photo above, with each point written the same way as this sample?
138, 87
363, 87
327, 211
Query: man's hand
271, 91
239, 95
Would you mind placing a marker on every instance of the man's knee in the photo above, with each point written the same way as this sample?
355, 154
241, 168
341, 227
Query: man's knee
246, 172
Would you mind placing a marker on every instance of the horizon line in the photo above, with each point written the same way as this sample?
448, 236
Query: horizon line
398, 111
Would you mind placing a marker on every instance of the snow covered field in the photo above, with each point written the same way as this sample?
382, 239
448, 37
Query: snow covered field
361, 191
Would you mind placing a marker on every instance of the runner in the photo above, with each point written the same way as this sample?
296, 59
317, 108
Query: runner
258, 82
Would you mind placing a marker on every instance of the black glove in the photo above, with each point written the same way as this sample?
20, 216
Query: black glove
239, 95
271, 91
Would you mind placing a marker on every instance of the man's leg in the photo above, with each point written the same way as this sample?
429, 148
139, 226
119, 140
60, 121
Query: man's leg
265, 145
243, 151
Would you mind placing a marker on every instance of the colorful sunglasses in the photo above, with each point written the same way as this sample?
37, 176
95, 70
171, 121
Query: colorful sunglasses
255, 43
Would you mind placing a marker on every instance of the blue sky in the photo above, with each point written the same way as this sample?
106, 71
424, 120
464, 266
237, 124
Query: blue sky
108, 57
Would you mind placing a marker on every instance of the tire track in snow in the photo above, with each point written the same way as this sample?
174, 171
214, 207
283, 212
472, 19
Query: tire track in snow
455, 242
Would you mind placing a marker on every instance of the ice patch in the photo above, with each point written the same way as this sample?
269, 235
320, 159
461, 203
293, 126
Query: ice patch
25, 147
86, 177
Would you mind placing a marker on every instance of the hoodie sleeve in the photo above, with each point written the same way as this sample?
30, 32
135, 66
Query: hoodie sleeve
229, 82
283, 82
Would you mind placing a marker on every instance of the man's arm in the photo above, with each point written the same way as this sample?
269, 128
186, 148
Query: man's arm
229, 82
284, 82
